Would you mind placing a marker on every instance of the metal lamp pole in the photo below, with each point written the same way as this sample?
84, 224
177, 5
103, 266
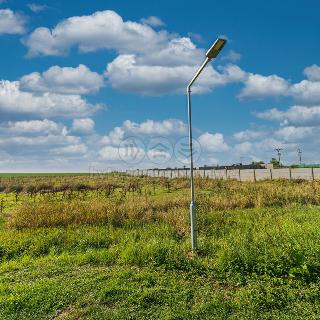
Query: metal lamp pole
211, 54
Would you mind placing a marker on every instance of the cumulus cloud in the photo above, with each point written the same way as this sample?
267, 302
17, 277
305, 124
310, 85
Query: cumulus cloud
101, 30
232, 56
44, 126
121, 153
149, 62
295, 115
294, 134
146, 128
213, 142
41, 145
249, 135
38, 141
259, 87
79, 80
36, 8
126, 74
83, 126
173, 53
75, 149
114, 137
243, 147
12, 22
306, 92
312, 72
153, 21
13, 100
152, 127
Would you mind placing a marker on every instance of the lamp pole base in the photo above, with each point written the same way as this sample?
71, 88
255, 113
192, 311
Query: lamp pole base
194, 241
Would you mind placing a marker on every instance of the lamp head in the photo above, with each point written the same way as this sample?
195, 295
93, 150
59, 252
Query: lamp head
216, 48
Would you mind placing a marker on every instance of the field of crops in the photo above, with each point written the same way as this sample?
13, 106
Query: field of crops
118, 247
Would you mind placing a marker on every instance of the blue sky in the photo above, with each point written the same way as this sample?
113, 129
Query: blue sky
79, 78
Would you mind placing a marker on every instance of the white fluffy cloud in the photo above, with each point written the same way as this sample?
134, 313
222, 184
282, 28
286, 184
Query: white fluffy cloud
213, 142
148, 128
33, 127
249, 135
243, 147
258, 86
151, 127
295, 115
232, 56
125, 73
312, 72
306, 92
173, 53
111, 153
79, 80
11, 22
102, 29
153, 21
42, 139
294, 134
74, 149
36, 8
42, 145
83, 126
149, 62
13, 100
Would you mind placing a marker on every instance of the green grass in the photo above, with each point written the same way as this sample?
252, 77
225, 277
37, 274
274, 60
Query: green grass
48, 174
253, 264
256, 262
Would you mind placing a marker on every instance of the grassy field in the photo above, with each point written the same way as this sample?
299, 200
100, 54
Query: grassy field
75, 247
61, 174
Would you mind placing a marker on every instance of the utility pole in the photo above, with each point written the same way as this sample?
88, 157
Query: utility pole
279, 154
300, 156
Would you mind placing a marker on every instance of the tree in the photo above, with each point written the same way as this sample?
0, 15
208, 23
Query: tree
275, 162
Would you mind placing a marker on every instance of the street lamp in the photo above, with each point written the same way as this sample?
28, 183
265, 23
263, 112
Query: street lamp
211, 54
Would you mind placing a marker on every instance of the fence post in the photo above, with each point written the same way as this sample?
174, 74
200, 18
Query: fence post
290, 174
226, 174
270, 174
312, 173
254, 175
239, 174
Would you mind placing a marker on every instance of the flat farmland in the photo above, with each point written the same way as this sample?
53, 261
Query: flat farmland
118, 247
